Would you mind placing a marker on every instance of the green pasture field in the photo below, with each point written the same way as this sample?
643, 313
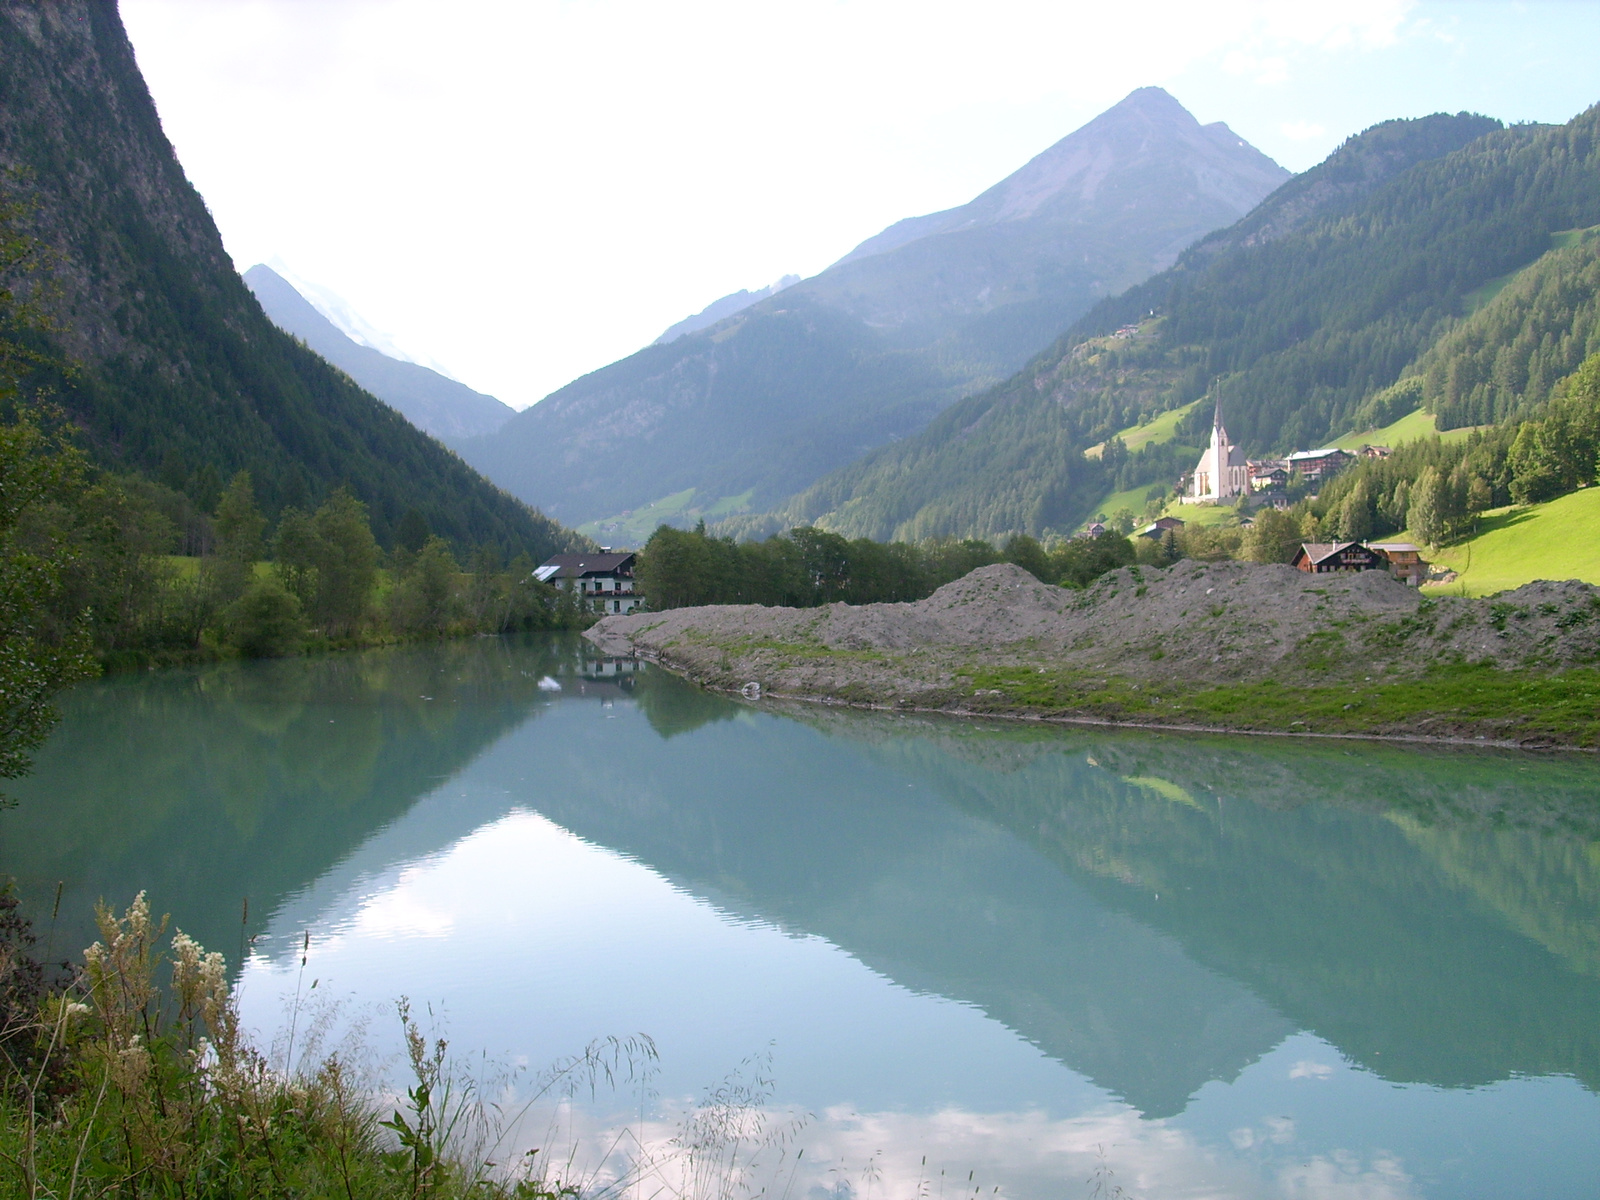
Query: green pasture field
1559, 539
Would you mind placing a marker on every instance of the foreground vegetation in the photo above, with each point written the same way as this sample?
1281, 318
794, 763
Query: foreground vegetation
113, 1085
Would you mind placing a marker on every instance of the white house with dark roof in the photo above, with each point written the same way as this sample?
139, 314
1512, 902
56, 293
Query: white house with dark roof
603, 581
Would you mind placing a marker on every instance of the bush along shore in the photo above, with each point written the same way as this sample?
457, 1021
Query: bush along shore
133, 573
1220, 645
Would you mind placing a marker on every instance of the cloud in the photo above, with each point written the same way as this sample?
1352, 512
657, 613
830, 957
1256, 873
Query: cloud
1345, 1176
1306, 1069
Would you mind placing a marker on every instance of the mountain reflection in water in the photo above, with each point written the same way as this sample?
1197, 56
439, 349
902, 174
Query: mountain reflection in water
1159, 914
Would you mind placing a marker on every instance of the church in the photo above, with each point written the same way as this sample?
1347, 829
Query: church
1222, 472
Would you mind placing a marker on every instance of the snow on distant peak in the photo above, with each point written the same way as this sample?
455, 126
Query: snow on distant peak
352, 324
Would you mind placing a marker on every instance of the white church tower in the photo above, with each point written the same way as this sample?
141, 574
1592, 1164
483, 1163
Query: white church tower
1222, 472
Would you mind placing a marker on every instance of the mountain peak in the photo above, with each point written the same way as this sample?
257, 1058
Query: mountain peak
1146, 133
1151, 101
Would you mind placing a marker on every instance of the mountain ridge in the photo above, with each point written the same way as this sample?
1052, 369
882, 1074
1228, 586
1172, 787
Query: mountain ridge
725, 306
1293, 317
432, 402
770, 398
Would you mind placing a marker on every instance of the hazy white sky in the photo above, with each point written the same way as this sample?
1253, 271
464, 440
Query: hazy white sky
525, 191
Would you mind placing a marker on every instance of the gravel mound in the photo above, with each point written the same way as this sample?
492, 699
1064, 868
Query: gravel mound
1198, 623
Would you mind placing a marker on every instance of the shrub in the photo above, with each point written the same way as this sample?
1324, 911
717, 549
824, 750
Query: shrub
267, 621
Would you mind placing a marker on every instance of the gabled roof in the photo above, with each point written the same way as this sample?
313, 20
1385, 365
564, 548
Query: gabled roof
1318, 552
1397, 547
576, 566
1159, 526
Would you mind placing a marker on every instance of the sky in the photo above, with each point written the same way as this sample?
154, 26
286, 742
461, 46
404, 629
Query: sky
520, 192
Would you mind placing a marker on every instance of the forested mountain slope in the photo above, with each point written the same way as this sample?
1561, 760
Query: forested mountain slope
176, 371
764, 402
1537, 328
1293, 319
430, 401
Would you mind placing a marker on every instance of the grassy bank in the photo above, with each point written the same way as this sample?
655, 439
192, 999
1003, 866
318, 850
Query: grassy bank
1525, 708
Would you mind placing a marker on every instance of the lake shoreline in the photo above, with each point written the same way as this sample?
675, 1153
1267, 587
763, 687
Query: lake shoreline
779, 699
1203, 648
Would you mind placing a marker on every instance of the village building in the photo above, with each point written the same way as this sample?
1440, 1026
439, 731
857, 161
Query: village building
1094, 529
1374, 452
1222, 473
1405, 561
1267, 474
603, 582
1157, 529
1314, 466
1321, 558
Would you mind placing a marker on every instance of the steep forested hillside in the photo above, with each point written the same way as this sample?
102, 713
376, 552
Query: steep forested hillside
430, 401
1536, 329
1294, 319
174, 370
1299, 330
762, 403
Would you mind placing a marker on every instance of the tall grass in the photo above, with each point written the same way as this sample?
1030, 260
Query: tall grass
117, 1086
129, 1075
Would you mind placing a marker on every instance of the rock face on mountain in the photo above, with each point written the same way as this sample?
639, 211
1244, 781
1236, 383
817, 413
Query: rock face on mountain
175, 370
431, 402
758, 405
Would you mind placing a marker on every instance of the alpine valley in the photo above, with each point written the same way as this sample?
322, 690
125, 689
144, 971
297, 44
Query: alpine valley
739, 414
432, 402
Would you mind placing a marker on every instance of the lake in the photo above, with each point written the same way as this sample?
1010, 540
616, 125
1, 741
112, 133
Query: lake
941, 957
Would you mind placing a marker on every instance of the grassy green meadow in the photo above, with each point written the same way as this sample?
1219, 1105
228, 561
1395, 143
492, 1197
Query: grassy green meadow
1559, 539
1160, 429
1409, 428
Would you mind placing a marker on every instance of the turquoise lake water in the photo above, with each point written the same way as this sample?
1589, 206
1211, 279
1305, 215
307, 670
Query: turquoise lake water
1015, 955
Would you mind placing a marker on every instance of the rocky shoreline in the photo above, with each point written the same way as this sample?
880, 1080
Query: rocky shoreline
1222, 646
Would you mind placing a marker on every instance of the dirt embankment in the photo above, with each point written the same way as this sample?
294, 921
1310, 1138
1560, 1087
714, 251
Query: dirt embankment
1195, 625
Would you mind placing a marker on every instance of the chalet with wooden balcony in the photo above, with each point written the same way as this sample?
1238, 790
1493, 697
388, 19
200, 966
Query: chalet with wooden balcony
603, 582
1321, 558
